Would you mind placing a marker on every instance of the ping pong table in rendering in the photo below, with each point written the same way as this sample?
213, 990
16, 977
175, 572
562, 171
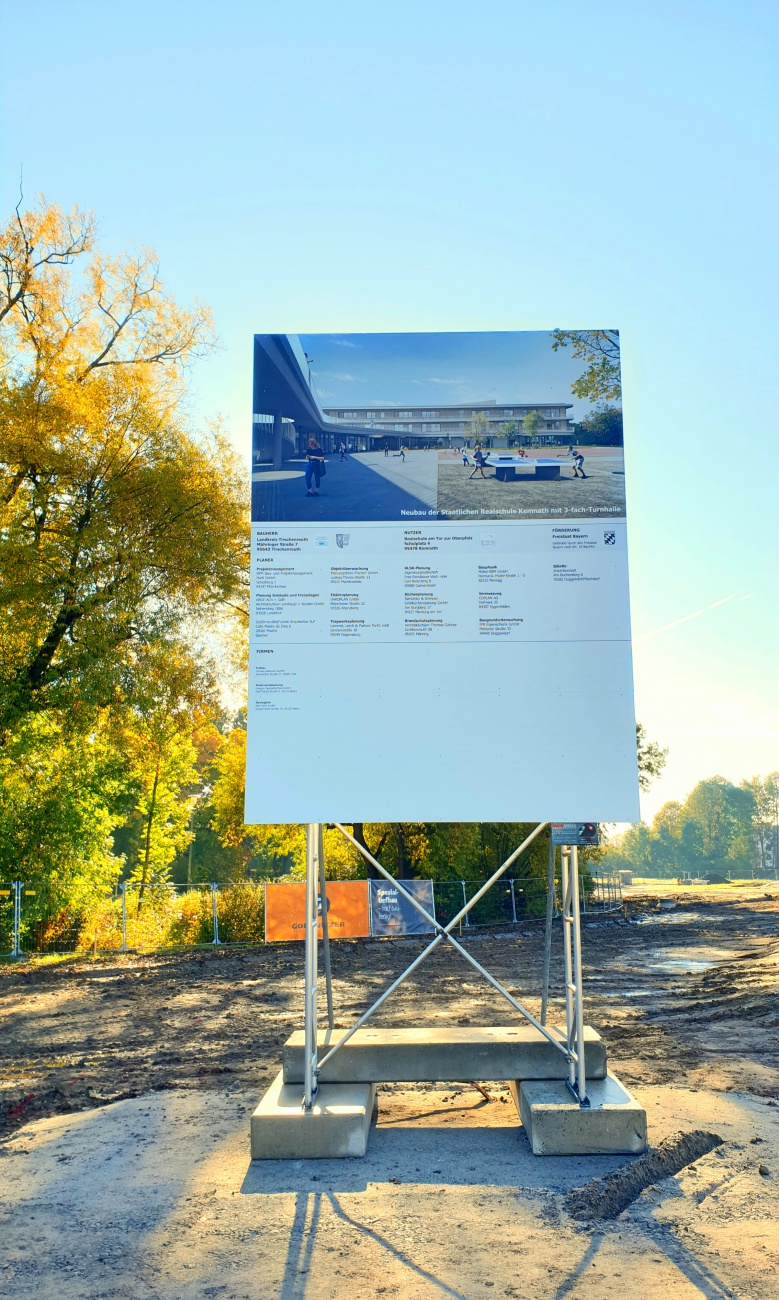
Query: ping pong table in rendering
508, 468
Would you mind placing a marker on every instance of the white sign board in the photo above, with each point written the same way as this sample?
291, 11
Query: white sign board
440, 621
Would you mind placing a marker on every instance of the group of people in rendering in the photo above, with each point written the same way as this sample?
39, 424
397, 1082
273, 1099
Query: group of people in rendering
481, 458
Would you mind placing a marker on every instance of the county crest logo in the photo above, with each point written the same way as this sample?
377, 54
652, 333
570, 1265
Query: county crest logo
342, 539
609, 537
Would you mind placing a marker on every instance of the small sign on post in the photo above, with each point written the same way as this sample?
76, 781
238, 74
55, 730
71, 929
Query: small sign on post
580, 834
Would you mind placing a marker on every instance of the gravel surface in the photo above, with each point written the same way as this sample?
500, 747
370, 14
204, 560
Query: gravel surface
127, 1084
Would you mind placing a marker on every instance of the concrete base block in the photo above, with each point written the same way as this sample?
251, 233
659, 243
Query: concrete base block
337, 1125
427, 1055
556, 1125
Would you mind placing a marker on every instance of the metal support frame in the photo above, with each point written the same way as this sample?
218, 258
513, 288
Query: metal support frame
310, 1018
550, 910
215, 913
325, 927
572, 955
17, 948
571, 1046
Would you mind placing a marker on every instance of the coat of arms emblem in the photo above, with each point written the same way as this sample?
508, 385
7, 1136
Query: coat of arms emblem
342, 539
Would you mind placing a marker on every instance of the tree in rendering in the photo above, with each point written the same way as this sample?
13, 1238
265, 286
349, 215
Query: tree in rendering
530, 425
478, 428
599, 350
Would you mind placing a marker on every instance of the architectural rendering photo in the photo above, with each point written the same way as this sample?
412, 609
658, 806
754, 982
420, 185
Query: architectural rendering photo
390, 426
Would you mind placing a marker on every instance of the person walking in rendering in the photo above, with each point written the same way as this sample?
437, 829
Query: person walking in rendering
465, 456
386, 449
578, 465
401, 453
315, 467
342, 450
479, 460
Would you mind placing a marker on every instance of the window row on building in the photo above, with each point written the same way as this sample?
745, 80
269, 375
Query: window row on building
449, 413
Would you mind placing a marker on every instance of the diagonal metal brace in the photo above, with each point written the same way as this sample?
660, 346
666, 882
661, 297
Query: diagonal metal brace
444, 932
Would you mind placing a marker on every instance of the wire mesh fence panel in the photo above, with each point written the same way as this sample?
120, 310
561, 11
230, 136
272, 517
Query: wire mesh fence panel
162, 915
241, 912
49, 935
601, 893
6, 917
449, 898
495, 908
530, 898
44, 926
168, 916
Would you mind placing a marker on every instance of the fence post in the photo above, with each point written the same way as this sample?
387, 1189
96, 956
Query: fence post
123, 946
465, 900
513, 903
214, 910
17, 949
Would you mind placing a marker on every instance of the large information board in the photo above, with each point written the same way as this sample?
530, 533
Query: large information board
440, 623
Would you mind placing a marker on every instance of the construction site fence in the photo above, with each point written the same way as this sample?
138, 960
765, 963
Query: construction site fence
222, 914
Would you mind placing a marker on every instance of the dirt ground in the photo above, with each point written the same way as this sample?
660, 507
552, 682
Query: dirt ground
127, 1085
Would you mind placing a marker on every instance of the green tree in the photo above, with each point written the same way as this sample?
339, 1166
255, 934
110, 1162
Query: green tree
599, 350
478, 428
61, 795
512, 432
765, 820
530, 425
652, 758
724, 816
169, 691
602, 427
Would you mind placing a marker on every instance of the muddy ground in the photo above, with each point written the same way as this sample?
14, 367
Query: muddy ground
107, 1063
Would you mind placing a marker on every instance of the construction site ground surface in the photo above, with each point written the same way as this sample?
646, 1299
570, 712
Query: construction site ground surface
128, 1082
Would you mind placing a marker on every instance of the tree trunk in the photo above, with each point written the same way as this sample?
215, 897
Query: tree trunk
147, 843
405, 866
358, 831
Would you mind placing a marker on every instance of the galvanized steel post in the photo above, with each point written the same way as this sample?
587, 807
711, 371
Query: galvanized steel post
215, 913
581, 1074
311, 1069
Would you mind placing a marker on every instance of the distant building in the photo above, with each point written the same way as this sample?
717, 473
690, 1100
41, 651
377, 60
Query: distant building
287, 411
446, 423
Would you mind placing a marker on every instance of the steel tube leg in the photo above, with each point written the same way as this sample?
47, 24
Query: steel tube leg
565, 858
325, 928
581, 1073
548, 931
309, 1013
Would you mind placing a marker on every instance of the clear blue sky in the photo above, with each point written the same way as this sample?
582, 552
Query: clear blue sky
444, 166
442, 369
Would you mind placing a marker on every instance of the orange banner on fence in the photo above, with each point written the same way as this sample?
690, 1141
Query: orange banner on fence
347, 911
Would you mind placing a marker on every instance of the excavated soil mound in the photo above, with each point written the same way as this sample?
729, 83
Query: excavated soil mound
605, 1198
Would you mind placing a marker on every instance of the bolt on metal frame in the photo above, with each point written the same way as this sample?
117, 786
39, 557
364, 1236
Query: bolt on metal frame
572, 1046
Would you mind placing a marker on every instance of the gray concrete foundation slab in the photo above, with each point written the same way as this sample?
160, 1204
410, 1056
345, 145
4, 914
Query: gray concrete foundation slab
556, 1125
426, 1055
337, 1125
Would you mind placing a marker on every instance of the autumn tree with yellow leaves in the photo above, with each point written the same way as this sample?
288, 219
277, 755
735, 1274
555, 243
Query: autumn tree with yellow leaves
123, 546
118, 521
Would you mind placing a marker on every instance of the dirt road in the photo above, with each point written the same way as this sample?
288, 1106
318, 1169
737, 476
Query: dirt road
127, 1084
